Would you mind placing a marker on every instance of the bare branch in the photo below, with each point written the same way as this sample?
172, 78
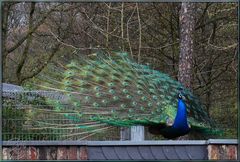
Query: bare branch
39, 69
140, 34
108, 21
128, 37
122, 23
33, 29
69, 45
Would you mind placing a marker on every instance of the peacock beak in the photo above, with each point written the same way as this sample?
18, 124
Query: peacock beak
184, 98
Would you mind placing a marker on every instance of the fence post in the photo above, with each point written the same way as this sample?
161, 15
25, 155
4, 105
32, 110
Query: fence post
124, 133
137, 133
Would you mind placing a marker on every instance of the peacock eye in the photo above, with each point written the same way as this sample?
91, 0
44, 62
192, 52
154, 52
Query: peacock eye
180, 96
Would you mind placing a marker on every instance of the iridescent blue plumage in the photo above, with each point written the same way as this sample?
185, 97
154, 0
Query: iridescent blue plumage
180, 125
180, 122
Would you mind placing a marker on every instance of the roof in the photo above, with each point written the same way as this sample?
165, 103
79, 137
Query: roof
180, 152
134, 150
11, 87
12, 91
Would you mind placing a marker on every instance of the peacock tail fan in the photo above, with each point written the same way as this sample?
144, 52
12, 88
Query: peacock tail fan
105, 89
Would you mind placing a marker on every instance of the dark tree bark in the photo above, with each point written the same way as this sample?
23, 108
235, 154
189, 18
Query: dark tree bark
29, 41
33, 25
6, 10
187, 25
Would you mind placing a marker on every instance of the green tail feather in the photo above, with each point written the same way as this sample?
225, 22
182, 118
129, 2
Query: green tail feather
109, 87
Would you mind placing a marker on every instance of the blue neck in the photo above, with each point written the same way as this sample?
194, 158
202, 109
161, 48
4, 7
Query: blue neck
181, 117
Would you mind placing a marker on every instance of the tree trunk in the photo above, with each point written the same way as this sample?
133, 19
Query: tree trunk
186, 19
6, 10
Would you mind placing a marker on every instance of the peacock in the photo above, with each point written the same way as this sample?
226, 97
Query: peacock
109, 89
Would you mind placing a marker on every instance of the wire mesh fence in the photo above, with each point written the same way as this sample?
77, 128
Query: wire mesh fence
26, 116
19, 123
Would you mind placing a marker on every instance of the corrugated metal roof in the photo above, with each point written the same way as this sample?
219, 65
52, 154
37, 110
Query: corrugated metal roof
197, 152
11, 91
11, 87
132, 150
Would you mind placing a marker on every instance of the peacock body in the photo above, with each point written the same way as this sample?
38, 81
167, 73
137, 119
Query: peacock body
111, 89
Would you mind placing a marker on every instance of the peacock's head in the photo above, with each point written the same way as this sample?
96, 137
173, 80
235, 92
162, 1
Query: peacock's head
181, 96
